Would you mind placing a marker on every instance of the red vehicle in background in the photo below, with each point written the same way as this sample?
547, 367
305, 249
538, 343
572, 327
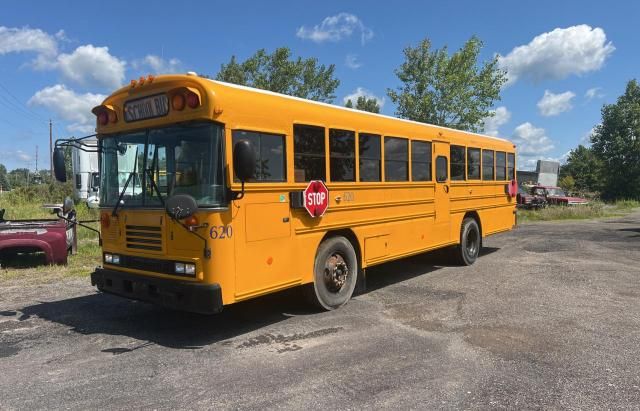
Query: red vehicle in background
525, 199
557, 196
56, 238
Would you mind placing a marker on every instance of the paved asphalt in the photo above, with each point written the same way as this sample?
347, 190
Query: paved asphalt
548, 317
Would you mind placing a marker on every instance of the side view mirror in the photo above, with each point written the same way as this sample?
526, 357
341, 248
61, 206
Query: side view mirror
67, 205
58, 165
181, 206
244, 161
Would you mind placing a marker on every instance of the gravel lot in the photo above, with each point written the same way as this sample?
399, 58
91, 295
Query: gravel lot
549, 317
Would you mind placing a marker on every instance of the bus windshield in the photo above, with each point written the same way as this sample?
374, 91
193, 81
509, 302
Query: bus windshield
180, 159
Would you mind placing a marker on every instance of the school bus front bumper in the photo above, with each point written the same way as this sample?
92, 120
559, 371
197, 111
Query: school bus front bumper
178, 295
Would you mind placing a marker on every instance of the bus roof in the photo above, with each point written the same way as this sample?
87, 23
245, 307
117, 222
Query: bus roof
272, 93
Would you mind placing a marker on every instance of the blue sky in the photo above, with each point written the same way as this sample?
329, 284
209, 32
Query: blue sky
564, 59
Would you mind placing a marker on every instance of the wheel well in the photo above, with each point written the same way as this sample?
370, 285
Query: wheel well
349, 235
475, 216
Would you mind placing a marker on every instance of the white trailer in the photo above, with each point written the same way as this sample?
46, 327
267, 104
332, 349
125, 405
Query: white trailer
86, 172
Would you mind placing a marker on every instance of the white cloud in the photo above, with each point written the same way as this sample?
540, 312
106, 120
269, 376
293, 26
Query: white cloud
17, 40
553, 104
23, 156
70, 106
593, 93
532, 144
500, 117
558, 54
336, 28
363, 92
92, 66
586, 137
352, 62
158, 65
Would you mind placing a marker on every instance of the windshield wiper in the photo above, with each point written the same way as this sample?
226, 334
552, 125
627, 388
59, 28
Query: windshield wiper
114, 213
154, 186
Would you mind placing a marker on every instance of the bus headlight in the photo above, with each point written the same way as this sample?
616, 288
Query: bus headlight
185, 268
111, 258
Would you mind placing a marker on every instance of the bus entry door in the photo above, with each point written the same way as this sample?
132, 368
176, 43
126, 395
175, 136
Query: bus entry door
442, 208
263, 250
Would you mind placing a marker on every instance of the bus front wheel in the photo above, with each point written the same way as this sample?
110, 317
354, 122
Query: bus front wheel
468, 250
335, 274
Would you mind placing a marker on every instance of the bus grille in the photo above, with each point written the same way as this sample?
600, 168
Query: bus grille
141, 237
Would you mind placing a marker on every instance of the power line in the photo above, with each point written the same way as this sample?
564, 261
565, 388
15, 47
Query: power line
20, 104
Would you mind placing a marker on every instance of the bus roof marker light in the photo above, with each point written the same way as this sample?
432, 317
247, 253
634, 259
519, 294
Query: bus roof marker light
178, 102
113, 117
103, 118
193, 100
150, 78
133, 83
142, 80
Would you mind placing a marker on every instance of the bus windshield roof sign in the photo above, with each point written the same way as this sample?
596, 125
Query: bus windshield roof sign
146, 107
316, 198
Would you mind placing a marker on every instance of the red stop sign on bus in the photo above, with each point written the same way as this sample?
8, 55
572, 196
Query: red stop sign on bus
316, 198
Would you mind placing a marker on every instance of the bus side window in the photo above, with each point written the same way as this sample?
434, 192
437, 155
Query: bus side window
396, 159
269, 150
308, 153
342, 155
441, 169
473, 163
420, 160
501, 165
511, 166
370, 157
487, 165
457, 163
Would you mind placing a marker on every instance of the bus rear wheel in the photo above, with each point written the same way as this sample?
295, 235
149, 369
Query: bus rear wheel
335, 274
468, 250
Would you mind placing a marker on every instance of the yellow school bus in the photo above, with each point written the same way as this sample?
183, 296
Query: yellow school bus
204, 193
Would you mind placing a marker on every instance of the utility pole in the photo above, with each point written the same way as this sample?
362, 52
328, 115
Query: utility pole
36, 159
50, 150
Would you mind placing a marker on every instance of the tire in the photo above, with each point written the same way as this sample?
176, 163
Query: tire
466, 253
331, 287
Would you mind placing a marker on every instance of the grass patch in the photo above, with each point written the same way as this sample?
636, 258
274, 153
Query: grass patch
27, 204
595, 209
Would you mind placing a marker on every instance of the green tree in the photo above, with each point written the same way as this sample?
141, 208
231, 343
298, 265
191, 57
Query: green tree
445, 90
365, 104
280, 73
567, 183
616, 142
5, 184
19, 177
585, 169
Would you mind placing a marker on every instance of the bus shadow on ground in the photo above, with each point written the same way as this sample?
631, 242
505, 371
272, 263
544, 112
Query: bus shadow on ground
408, 268
106, 314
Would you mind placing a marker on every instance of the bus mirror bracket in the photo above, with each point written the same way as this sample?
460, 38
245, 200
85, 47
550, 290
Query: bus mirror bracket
244, 165
59, 168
